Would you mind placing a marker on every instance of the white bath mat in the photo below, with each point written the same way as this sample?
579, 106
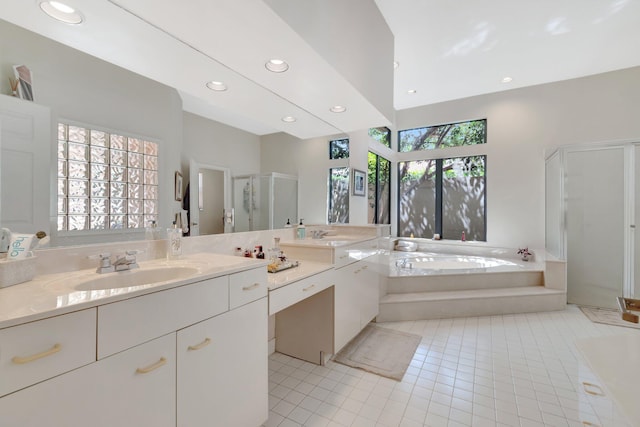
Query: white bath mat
381, 351
607, 316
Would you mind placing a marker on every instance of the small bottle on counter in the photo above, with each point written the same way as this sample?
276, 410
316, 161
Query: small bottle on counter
174, 242
464, 237
288, 224
259, 253
301, 231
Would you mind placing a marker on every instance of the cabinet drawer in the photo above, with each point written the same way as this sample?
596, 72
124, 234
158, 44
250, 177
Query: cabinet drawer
288, 295
123, 324
35, 351
247, 286
341, 257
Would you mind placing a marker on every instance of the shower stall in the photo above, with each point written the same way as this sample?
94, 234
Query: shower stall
264, 202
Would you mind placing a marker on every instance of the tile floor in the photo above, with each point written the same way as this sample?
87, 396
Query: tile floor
510, 370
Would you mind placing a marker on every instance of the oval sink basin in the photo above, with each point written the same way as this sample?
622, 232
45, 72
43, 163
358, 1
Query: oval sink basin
137, 277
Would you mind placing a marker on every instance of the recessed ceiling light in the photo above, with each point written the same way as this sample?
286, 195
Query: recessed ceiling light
61, 12
396, 64
289, 119
338, 109
506, 79
217, 86
411, 91
276, 65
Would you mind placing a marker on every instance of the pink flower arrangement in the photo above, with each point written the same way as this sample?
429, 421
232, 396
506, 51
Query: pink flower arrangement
524, 252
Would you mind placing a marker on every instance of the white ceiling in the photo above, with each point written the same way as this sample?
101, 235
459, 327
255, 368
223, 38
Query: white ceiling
446, 50
455, 49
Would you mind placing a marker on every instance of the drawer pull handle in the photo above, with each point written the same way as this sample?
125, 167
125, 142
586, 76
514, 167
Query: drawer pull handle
22, 360
153, 367
597, 392
248, 288
203, 344
364, 267
308, 288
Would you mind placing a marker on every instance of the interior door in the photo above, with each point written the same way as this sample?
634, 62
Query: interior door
595, 206
26, 153
209, 199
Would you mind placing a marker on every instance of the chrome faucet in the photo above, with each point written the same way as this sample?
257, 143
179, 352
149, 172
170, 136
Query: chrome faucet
319, 234
404, 263
127, 261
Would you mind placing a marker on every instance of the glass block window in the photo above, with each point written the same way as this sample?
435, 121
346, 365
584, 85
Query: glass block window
442, 136
339, 149
106, 181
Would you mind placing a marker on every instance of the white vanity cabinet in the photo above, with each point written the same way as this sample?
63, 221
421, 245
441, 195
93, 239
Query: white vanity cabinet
136, 387
222, 369
33, 352
177, 356
132, 388
356, 293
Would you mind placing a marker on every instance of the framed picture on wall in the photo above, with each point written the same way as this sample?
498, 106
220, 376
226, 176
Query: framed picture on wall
359, 182
178, 189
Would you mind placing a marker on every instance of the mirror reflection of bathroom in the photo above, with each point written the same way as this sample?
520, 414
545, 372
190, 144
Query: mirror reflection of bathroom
263, 202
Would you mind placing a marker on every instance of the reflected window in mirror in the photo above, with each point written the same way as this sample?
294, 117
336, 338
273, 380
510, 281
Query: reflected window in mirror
339, 149
106, 181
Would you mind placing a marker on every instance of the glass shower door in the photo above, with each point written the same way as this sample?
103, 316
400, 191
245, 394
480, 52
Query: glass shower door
595, 223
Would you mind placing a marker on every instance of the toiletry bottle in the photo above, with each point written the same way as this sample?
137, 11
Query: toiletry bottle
174, 242
288, 224
464, 237
260, 254
151, 232
301, 231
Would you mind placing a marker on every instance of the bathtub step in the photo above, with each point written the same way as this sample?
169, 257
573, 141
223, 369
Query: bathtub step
475, 302
457, 282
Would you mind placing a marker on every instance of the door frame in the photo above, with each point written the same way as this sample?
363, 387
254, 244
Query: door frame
194, 188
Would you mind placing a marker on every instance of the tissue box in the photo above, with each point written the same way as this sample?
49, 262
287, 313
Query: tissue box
18, 271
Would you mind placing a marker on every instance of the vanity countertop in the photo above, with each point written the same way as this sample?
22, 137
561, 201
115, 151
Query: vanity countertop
305, 269
54, 294
334, 241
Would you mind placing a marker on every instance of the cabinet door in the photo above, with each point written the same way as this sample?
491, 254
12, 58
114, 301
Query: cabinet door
369, 283
137, 387
346, 305
122, 390
222, 369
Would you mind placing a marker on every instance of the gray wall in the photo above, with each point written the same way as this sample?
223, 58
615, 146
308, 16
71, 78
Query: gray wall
522, 125
82, 88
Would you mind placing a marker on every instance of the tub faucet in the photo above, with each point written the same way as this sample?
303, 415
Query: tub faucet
404, 263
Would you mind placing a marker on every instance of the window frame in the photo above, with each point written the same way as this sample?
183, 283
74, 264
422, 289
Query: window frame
107, 231
423, 150
347, 151
376, 201
439, 155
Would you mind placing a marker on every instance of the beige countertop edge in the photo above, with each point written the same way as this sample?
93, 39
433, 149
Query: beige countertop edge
329, 242
39, 299
304, 270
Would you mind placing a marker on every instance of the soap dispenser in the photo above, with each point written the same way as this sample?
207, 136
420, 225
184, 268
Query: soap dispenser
174, 242
301, 231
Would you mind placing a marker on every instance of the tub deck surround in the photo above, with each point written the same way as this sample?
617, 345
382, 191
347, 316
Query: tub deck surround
508, 286
54, 294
